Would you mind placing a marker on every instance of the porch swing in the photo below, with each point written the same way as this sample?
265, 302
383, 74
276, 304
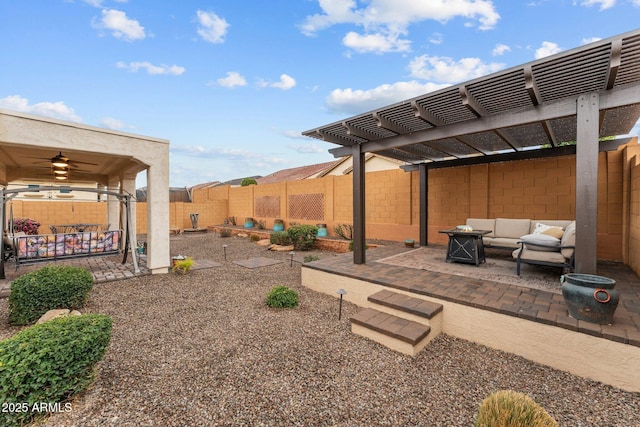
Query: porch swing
67, 243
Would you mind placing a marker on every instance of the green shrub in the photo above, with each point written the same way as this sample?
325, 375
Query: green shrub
282, 297
303, 236
280, 238
50, 362
508, 408
248, 181
254, 237
311, 258
51, 287
225, 232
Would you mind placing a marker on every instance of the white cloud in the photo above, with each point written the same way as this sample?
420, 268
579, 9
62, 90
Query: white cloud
211, 27
111, 123
308, 148
151, 69
604, 4
376, 43
232, 80
591, 39
547, 49
120, 25
350, 101
286, 82
436, 38
384, 21
55, 110
443, 69
500, 49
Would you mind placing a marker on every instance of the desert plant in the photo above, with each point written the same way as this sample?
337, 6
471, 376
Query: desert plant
225, 232
344, 230
248, 181
311, 258
230, 220
281, 238
26, 225
282, 297
254, 237
508, 408
51, 287
261, 225
182, 265
303, 236
50, 362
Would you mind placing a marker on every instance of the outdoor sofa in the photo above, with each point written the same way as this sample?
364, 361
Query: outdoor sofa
539, 242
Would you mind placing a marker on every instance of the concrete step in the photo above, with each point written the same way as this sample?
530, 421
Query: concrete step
405, 303
405, 336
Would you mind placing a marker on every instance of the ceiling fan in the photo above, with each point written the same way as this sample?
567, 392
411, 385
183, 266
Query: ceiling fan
60, 165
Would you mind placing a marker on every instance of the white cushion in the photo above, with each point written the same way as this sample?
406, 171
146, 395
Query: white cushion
541, 242
569, 239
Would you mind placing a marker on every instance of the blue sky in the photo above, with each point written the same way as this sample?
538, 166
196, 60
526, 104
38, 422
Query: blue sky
232, 84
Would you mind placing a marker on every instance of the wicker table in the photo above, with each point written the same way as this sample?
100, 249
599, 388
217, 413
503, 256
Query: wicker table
465, 246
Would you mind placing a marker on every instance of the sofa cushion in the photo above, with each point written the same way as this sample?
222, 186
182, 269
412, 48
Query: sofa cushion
541, 242
568, 239
512, 228
482, 224
527, 254
503, 242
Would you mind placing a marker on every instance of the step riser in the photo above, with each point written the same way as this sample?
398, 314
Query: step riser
435, 322
390, 342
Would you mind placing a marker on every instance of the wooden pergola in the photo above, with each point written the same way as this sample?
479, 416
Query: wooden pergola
529, 111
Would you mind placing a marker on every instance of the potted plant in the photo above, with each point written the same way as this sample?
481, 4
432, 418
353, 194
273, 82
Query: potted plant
182, 265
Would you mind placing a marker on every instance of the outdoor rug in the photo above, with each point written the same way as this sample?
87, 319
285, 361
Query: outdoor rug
257, 262
501, 269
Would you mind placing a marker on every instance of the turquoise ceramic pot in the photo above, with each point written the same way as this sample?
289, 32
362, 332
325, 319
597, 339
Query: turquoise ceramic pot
590, 298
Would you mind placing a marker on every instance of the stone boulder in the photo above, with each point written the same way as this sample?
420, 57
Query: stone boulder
59, 312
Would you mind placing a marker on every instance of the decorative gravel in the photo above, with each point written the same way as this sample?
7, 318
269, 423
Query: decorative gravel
202, 349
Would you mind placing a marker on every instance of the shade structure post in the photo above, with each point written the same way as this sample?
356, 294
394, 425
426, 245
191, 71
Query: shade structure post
588, 116
359, 238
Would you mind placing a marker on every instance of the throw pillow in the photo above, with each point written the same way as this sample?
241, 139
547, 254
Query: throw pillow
556, 232
541, 242
541, 228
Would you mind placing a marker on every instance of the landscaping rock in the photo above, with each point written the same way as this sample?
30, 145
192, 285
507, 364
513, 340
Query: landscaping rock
263, 242
53, 314
279, 248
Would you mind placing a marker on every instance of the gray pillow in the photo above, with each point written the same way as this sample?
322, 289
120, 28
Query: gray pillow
541, 242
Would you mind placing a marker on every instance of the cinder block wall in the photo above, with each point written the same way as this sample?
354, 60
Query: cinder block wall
536, 189
49, 212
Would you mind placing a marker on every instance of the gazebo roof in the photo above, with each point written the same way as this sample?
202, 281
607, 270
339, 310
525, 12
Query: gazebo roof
516, 110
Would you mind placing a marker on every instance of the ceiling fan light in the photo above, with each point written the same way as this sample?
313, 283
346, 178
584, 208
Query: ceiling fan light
60, 161
60, 170
61, 177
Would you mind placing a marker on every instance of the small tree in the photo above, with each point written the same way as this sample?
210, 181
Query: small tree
248, 181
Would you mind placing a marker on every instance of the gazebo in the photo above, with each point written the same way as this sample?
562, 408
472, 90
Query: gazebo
568, 103
111, 159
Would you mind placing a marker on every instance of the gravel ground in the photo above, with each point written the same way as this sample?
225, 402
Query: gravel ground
202, 349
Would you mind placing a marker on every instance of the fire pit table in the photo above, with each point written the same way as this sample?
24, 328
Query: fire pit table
465, 246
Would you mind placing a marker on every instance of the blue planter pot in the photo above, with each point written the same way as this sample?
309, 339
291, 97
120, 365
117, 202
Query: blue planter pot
322, 230
248, 223
590, 298
278, 225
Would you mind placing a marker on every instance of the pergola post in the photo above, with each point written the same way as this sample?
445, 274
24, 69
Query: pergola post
359, 240
424, 204
588, 114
